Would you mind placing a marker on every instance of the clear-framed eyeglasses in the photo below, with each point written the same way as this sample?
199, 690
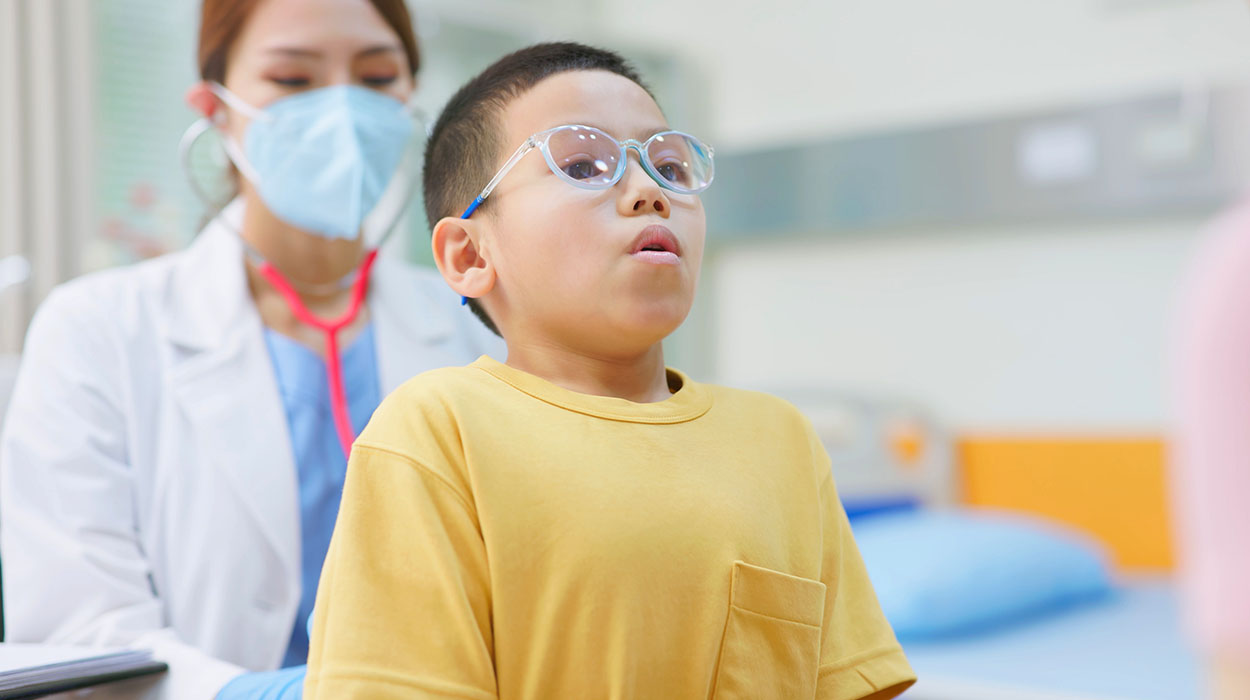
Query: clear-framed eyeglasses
591, 159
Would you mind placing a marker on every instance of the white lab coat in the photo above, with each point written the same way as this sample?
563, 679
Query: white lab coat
148, 491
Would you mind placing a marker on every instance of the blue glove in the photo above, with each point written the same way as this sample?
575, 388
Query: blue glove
283, 684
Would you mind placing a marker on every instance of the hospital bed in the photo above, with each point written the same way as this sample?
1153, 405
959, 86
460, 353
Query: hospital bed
891, 456
1128, 647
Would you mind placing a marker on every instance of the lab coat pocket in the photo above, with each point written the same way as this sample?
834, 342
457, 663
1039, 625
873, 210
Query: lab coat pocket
771, 647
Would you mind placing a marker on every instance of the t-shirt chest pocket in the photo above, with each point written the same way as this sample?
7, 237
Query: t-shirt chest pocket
771, 647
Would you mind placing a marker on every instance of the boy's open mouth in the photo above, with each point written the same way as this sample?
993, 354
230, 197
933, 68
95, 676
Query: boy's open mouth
657, 244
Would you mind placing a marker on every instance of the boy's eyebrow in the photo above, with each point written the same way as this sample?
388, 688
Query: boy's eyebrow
648, 133
639, 135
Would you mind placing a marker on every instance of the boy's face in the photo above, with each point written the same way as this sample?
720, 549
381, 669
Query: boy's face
568, 264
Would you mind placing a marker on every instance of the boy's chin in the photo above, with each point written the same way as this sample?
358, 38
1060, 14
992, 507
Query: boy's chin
642, 328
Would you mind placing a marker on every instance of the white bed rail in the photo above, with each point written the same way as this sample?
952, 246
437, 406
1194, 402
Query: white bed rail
881, 446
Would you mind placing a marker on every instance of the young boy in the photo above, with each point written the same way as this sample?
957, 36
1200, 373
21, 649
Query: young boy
582, 523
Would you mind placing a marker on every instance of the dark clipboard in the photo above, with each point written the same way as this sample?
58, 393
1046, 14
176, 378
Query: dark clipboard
39, 690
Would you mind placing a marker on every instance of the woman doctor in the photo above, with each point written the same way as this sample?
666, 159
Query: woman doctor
172, 460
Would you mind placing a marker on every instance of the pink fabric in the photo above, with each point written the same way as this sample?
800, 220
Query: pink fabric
1211, 446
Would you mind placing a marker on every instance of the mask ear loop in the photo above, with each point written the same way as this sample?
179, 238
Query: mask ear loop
397, 197
233, 150
189, 138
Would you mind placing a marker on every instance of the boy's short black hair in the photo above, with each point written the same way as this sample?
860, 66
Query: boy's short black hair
467, 139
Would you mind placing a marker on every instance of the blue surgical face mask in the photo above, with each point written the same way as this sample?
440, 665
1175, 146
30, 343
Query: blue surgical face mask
322, 159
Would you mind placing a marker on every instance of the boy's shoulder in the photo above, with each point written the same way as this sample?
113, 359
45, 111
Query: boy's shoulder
758, 418
436, 383
759, 405
429, 402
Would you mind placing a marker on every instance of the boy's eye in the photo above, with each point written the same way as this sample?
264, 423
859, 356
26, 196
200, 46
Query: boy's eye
584, 169
672, 171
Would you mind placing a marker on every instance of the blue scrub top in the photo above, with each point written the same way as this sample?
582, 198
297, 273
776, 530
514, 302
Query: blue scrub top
319, 458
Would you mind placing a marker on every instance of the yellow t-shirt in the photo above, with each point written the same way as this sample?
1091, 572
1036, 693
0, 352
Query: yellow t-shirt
503, 537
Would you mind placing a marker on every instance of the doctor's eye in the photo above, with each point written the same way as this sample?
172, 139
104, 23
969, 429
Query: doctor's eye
290, 82
378, 81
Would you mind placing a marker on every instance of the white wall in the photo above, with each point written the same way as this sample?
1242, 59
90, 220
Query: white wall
46, 148
1016, 328
1022, 328
790, 69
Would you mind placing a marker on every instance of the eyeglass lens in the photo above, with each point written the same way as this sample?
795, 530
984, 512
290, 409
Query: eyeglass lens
592, 157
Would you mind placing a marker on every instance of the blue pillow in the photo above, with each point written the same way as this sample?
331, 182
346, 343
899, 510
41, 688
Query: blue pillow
945, 572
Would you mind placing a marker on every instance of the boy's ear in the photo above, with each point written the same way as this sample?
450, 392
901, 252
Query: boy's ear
464, 263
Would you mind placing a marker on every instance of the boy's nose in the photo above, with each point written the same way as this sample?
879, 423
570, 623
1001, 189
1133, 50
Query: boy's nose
641, 193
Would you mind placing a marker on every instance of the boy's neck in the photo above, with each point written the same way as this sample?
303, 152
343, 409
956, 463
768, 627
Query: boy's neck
641, 378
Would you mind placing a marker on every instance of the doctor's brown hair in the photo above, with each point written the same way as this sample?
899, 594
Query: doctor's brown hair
221, 22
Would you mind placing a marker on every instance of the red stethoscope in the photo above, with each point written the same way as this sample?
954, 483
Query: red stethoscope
331, 328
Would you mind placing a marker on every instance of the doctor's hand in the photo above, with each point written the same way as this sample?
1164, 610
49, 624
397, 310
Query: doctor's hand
283, 684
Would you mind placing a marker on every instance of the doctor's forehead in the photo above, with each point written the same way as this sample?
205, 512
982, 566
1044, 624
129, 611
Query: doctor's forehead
595, 98
312, 28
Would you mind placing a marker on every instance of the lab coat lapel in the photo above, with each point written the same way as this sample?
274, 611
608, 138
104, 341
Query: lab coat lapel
408, 321
224, 382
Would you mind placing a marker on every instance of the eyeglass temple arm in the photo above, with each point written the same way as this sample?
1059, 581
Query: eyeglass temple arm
490, 186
